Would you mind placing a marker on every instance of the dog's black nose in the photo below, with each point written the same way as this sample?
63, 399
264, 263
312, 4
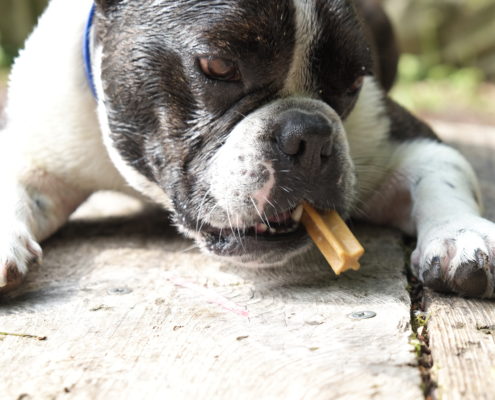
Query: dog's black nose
305, 136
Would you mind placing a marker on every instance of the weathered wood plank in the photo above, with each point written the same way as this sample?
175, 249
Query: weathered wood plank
461, 335
118, 302
463, 347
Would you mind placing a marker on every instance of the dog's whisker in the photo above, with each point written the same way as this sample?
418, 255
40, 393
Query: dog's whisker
356, 209
188, 249
200, 210
208, 217
241, 236
230, 222
133, 162
270, 203
241, 114
267, 221
256, 208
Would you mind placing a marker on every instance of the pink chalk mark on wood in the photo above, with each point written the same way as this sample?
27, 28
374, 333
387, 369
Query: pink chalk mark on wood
210, 296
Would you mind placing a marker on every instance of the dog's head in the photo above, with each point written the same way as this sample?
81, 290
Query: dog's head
235, 110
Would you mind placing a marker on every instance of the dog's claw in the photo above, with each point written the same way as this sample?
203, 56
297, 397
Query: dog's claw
433, 276
16, 256
471, 279
10, 278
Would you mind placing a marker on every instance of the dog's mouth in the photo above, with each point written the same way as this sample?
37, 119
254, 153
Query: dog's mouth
277, 233
273, 227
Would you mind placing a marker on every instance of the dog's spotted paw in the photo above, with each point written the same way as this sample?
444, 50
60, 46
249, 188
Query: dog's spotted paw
18, 250
457, 257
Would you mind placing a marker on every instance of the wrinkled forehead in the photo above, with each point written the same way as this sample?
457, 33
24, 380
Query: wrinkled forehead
313, 40
230, 21
252, 25
228, 25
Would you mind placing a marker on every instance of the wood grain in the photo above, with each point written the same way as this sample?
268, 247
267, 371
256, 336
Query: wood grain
463, 347
121, 324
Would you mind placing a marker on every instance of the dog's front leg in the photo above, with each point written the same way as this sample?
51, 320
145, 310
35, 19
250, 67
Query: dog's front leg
434, 193
35, 202
52, 154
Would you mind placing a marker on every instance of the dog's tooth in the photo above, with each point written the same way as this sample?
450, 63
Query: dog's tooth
297, 213
261, 228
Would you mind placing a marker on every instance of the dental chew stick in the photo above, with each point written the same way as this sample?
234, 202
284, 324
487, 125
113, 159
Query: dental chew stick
333, 238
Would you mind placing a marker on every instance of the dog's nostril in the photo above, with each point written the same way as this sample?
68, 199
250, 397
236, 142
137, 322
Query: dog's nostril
307, 137
326, 149
298, 149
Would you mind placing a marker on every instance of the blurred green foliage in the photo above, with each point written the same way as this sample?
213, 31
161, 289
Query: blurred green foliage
456, 33
17, 18
454, 93
4, 59
451, 40
413, 69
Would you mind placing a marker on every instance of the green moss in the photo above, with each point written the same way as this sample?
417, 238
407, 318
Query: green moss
416, 344
420, 320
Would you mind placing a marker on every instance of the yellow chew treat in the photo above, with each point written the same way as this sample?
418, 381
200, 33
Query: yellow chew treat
334, 239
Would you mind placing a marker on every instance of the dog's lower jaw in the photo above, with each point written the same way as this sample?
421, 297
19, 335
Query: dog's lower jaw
273, 258
261, 251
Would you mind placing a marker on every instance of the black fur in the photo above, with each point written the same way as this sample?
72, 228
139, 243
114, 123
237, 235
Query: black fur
341, 55
383, 41
168, 119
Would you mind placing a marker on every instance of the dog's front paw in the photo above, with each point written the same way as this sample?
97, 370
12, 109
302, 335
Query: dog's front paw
458, 257
18, 250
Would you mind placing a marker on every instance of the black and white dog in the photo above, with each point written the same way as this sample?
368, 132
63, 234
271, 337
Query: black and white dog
231, 113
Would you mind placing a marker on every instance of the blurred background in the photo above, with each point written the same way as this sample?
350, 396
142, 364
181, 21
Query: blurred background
447, 69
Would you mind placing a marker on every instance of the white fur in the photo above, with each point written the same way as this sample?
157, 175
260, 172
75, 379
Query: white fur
51, 152
48, 80
429, 168
415, 207
17, 245
367, 130
298, 79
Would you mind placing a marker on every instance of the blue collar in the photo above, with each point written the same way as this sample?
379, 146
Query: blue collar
88, 68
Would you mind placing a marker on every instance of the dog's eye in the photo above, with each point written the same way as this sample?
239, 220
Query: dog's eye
356, 86
219, 68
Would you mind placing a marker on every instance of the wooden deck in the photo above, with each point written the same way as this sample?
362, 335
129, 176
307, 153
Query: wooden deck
124, 308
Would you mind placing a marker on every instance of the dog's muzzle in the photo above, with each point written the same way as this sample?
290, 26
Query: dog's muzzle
276, 158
